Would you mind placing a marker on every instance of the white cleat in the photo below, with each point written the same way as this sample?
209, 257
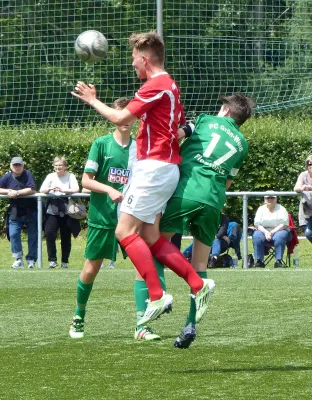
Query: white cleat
156, 308
202, 298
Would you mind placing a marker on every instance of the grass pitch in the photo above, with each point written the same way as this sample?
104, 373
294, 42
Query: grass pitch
255, 342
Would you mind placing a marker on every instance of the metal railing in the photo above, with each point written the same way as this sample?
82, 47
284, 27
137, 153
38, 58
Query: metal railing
39, 197
244, 195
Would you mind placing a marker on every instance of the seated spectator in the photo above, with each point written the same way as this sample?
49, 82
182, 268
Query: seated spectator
228, 235
272, 227
221, 242
59, 182
304, 186
17, 183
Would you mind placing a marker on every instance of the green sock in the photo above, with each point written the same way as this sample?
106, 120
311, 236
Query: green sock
141, 291
83, 293
192, 313
161, 273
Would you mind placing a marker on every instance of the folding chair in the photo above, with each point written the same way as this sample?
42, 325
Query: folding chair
292, 241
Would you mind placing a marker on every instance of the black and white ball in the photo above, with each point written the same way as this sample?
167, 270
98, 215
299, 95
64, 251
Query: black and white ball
91, 46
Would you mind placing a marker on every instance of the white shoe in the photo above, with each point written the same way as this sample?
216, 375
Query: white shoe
64, 265
52, 264
31, 264
102, 266
156, 308
111, 265
203, 297
18, 263
145, 333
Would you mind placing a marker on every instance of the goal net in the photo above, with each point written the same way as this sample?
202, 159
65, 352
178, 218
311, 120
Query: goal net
213, 47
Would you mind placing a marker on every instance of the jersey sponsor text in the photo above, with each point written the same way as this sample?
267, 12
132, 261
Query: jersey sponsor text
118, 175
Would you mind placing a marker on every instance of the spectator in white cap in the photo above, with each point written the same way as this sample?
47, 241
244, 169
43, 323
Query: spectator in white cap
272, 227
22, 211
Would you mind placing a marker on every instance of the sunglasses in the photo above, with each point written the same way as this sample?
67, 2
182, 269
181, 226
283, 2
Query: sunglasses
309, 165
270, 197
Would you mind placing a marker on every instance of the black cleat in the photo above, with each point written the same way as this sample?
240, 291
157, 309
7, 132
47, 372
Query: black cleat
186, 337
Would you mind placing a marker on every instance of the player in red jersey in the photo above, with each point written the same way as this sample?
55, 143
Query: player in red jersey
155, 174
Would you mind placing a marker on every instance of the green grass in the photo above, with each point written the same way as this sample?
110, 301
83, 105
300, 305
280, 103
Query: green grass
255, 342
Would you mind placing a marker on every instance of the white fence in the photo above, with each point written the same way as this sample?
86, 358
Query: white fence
244, 195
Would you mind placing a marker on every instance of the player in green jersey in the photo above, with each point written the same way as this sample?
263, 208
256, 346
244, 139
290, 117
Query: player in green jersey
106, 174
211, 158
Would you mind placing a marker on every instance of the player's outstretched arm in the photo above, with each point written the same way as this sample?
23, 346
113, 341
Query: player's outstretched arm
87, 93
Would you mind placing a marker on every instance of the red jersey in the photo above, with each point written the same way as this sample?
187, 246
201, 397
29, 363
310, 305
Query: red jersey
158, 104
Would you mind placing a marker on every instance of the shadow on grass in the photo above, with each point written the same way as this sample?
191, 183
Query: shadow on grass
286, 368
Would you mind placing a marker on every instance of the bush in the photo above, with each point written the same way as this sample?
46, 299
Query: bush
278, 147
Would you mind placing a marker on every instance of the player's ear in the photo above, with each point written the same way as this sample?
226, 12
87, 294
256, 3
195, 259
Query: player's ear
224, 111
227, 111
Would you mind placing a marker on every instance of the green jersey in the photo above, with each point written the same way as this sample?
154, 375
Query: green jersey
213, 154
111, 164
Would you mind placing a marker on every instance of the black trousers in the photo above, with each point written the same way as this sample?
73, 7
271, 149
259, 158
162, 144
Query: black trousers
52, 224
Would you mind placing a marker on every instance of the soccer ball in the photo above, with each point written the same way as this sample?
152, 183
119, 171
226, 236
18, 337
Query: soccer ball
91, 46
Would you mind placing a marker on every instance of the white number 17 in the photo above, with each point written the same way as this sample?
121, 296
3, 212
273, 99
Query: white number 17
212, 145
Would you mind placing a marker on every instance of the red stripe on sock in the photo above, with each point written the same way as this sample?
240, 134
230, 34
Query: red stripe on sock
169, 255
141, 257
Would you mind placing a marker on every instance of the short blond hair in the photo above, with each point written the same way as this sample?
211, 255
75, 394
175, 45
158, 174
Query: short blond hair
308, 161
149, 42
61, 159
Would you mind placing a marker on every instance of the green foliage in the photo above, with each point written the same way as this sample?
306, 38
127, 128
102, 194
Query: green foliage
278, 147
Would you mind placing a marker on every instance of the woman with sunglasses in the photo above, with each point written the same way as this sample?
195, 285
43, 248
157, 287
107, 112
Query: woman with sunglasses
304, 186
272, 228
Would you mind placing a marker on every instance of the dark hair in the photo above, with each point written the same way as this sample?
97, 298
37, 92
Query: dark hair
121, 103
240, 106
149, 42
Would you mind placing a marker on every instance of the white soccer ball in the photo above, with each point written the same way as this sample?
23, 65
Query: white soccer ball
91, 46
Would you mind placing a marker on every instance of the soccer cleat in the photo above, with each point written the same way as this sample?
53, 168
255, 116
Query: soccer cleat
31, 264
259, 264
186, 337
64, 265
156, 308
279, 264
18, 263
203, 297
111, 265
52, 264
76, 330
145, 333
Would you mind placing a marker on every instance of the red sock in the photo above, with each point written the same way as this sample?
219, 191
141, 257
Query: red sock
141, 256
169, 255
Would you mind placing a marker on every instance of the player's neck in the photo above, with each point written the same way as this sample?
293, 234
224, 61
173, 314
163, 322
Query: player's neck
154, 70
122, 139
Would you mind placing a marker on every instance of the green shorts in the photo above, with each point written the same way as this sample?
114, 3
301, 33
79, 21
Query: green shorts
187, 216
101, 243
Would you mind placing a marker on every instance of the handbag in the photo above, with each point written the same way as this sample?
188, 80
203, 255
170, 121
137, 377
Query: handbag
76, 208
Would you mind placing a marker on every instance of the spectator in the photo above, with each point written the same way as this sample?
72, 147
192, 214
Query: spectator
228, 235
272, 227
17, 183
304, 185
59, 183
221, 242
